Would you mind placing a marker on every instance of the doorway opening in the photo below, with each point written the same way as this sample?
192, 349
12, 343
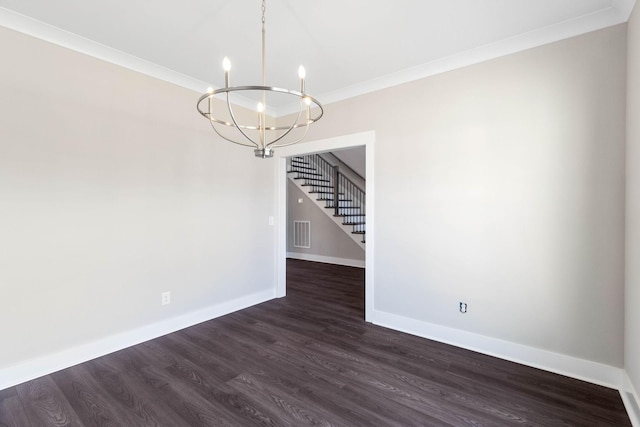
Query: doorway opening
366, 140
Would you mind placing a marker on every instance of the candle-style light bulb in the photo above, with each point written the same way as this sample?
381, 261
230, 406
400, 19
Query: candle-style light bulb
226, 66
260, 107
302, 74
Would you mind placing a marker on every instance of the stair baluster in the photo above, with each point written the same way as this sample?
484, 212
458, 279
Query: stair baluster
339, 193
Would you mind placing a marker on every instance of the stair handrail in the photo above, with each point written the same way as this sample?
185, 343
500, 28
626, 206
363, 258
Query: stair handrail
338, 182
351, 173
335, 177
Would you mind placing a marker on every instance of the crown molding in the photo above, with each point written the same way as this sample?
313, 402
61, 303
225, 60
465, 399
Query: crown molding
66, 39
624, 7
617, 14
49, 33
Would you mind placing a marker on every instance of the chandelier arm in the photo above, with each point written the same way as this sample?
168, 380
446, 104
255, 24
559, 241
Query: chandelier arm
233, 119
209, 116
295, 141
319, 116
226, 91
293, 126
244, 144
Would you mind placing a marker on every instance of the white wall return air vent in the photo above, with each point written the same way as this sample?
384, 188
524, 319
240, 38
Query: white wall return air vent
301, 234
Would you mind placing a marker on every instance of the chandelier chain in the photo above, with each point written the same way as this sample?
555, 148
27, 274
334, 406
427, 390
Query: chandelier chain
264, 8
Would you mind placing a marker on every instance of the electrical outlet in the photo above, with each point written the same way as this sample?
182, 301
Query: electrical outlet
463, 307
166, 298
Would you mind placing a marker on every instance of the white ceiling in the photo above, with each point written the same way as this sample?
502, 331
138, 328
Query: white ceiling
348, 47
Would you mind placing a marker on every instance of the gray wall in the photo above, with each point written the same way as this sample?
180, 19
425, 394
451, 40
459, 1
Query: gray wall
632, 292
112, 191
327, 239
514, 171
354, 158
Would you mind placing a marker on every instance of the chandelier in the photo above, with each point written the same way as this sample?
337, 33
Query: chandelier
256, 129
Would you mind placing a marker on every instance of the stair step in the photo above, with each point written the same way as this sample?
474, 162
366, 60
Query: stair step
348, 206
316, 185
328, 200
345, 208
312, 179
299, 160
302, 169
330, 193
305, 173
342, 204
324, 198
302, 166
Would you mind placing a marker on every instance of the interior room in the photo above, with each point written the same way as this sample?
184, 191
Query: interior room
502, 148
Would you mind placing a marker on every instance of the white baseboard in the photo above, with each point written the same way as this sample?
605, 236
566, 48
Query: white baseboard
569, 366
585, 370
631, 400
327, 259
50, 363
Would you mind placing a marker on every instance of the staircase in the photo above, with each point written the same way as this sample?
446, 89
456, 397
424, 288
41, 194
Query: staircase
341, 199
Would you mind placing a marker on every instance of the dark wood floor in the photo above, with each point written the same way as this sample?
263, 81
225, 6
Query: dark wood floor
307, 359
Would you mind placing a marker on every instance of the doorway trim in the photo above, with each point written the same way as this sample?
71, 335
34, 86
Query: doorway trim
346, 141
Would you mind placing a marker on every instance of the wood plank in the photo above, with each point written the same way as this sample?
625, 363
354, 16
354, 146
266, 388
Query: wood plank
12, 413
307, 359
45, 405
